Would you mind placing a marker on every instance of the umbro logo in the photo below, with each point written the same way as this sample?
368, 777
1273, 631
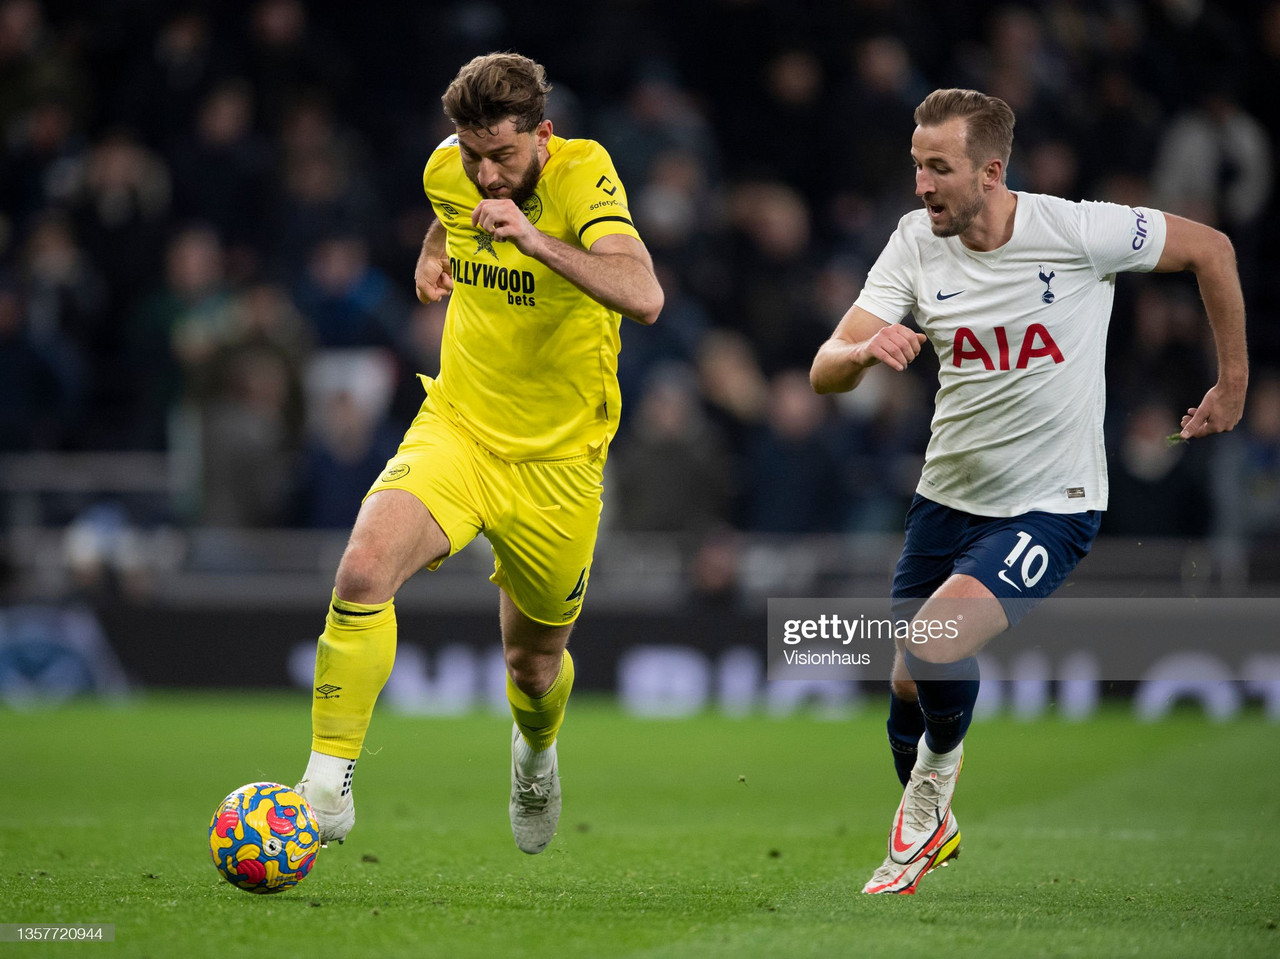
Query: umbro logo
328, 691
947, 296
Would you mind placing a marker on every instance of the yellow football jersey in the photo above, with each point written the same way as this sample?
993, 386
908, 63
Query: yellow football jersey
529, 363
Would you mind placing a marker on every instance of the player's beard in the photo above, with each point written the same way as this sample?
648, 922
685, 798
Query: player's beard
961, 218
524, 188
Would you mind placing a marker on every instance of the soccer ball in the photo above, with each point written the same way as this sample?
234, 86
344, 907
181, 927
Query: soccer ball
264, 838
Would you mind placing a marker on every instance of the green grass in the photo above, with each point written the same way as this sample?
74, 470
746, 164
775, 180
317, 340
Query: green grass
710, 837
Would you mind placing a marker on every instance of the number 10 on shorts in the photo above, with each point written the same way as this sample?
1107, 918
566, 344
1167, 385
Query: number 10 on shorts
1034, 561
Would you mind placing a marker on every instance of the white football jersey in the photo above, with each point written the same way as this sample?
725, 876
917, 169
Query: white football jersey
1020, 334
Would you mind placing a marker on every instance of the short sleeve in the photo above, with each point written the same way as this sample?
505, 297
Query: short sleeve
592, 197
1121, 239
890, 290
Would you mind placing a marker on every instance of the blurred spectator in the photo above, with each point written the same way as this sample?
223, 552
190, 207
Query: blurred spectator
163, 93
264, 313
1021, 63
309, 127
343, 458
45, 162
349, 440
881, 97
658, 116
247, 451
772, 297
671, 475
34, 66
881, 435
1157, 487
1187, 45
794, 480
105, 553
420, 356
714, 571
1214, 164
347, 300
681, 215
1246, 485
1264, 70
122, 217
1161, 351
32, 398
784, 102
675, 339
1051, 166
676, 207
177, 331
318, 199
66, 302
288, 57
734, 389
220, 169
1122, 130
264, 320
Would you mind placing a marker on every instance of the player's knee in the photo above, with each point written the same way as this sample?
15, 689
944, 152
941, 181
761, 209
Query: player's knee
905, 689
532, 672
362, 577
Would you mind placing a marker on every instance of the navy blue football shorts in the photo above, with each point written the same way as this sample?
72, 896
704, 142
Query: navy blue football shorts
1021, 559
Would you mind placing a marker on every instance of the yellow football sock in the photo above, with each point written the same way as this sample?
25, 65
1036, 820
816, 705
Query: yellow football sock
539, 719
353, 661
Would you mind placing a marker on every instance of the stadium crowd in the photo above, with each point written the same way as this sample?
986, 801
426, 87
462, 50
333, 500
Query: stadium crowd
210, 214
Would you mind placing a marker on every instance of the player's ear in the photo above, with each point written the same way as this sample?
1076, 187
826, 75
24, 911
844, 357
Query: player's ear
542, 133
992, 173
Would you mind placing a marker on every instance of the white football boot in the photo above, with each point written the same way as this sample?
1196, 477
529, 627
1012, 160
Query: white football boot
903, 880
921, 819
535, 802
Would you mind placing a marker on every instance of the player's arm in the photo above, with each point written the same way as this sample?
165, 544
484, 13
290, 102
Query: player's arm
860, 341
431, 277
1209, 255
616, 271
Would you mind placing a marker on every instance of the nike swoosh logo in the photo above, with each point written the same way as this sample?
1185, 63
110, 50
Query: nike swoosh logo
947, 296
900, 846
1004, 577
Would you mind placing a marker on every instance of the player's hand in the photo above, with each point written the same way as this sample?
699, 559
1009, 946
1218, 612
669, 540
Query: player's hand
895, 346
505, 221
432, 278
1218, 412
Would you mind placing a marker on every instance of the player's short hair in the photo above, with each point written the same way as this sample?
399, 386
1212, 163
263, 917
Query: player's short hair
989, 121
495, 86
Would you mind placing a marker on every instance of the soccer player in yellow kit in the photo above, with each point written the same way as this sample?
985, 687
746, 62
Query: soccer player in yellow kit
534, 242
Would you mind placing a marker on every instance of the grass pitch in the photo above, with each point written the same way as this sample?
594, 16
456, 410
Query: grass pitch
711, 837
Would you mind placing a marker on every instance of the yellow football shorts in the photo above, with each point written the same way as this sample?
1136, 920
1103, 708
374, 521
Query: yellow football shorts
541, 517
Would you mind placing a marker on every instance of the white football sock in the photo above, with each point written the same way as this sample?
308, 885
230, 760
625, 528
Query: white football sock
328, 777
532, 764
926, 758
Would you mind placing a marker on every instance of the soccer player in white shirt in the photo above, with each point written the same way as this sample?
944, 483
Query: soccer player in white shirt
1014, 291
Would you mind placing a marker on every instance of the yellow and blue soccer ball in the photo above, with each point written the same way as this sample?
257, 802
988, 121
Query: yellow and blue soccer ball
264, 838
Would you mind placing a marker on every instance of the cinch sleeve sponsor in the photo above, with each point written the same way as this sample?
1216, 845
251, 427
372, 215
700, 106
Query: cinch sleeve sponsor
1121, 239
594, 199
